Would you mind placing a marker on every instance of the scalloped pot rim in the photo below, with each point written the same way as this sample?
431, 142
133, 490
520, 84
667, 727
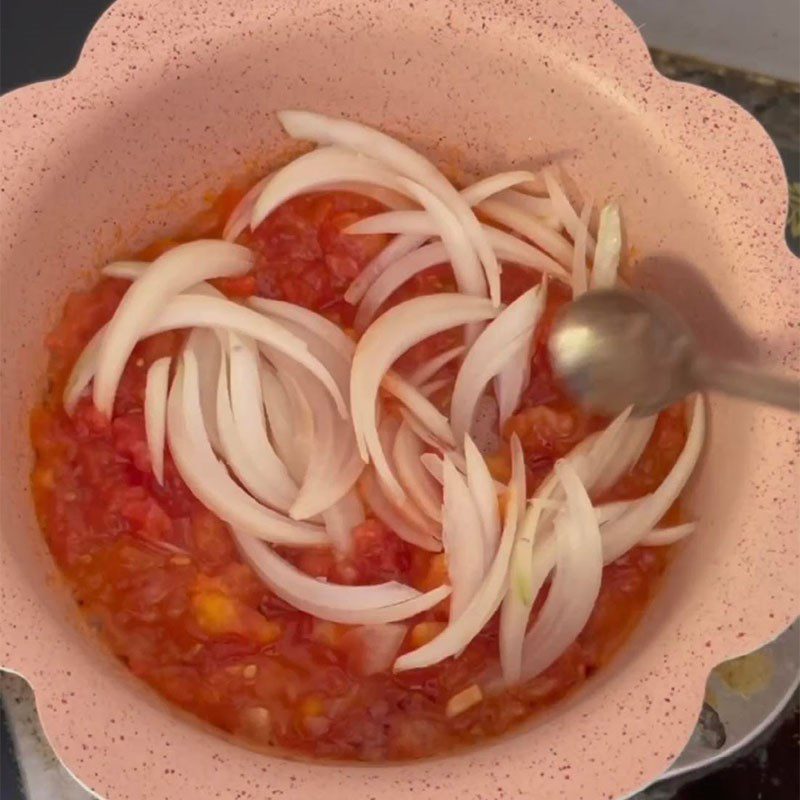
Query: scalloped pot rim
681, 158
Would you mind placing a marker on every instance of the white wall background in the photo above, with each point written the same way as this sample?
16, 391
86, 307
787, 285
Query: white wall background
756, 35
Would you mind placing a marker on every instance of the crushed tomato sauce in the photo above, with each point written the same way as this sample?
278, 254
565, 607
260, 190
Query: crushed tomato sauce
158, 577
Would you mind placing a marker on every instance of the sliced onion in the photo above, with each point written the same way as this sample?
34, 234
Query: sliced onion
489, 354
579, 269
425, 371
387, 513
633, 439
576, 580
302, 417
471, 279
516, 607
317, 170
170, 274
401, 157
530, 227
334, 464
431, 387
609, 246
463, 628
207, 349
387, 432
125, 270
372, 648
665, 536
384, 342
624, 533
341, 518
280, 419
482, 488
514, 377
589, 458
348, 605
209, 481
414, 478
541, 207
239, 219
394, 276
480, 190
397, 248
564, 210
243, 428
462, 537
155, 413
427, 416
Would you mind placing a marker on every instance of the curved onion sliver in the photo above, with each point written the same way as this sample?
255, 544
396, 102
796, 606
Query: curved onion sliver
579, 268
609, 246
482, 488
622, 534
315, 171
384, 342
462, 537
424, 372
471, 279
415, 479
209, 481
489, 354
386, 512
155, 413
514, 377
243, 430
530, 227
664, 536
239, 218
394, 276
280, 420
564, 210
634, 437
576, 580
341, 518
462, 630
348, 605
401, 157
173, 272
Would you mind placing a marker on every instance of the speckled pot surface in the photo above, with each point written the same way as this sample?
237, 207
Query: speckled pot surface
172, 99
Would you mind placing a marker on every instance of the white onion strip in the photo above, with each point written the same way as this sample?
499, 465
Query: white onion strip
415, 479
173, 272
315, 171
155, 413
624, 533
579, 269
386, 512
634, 437
404, 159
462, 537
489, 354
563, 208
482, 488
208, 479
576, 580
349, 605
513, 378
424, 372
609, 246
531, 228
464, 628
383, 343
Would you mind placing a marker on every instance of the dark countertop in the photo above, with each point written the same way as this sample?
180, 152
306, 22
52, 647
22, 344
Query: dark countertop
42, 38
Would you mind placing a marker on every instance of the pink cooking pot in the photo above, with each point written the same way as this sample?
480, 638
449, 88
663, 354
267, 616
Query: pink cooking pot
170, 100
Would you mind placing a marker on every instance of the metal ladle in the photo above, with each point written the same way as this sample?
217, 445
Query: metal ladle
615, 348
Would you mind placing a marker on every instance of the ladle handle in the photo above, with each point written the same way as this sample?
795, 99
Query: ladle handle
751, 384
